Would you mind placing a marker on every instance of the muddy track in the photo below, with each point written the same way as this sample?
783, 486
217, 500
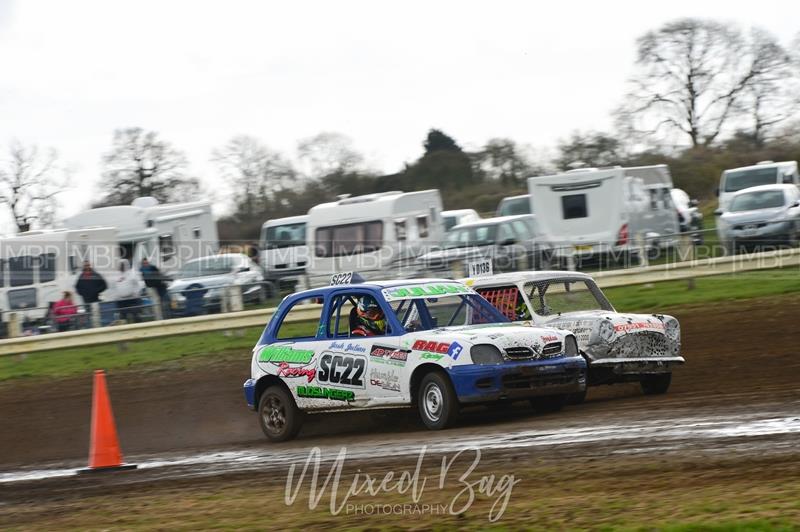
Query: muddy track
740, 356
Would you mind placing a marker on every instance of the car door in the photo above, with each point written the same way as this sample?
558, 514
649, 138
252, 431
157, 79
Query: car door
363, 364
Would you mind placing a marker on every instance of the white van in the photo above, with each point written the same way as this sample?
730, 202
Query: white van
593, 212
373, 233
37, 266
514, 206
763, 173
284, 252
458, 217
168, 234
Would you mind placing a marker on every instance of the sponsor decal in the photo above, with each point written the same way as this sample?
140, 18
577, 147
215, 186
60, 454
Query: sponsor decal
348, 347
388, 380
430, 356
285, 370
319, 392
446, 348
342, 369
279, 354
389, 353
425, 290
549, 338
625, 327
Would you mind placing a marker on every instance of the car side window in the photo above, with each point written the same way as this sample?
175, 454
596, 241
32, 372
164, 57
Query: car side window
522, 230
344, 318
504, 233
301, 321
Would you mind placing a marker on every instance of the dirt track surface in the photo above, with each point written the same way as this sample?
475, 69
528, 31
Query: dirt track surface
738, 354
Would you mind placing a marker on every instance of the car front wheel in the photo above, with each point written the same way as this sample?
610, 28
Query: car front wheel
656, 384
437, 401
278, 414
549, 403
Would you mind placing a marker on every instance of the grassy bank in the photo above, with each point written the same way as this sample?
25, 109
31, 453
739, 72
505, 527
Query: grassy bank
666, 296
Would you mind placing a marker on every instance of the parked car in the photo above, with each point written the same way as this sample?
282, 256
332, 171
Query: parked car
762, 215
763, 173
619, 347
690, 219
509, 242
458, 217
440, 346
200, 284
514, 206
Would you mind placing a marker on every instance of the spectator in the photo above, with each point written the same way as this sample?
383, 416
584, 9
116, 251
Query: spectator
90, 284
127, 292
64, 311
153, 279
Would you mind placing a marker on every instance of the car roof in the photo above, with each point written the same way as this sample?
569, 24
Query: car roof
493, 221
459, 212
773, 186
526, 276
378, 285
509, 198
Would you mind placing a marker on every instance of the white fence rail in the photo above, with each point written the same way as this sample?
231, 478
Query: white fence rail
258, 318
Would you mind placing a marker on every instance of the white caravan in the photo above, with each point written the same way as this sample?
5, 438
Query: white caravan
593, 212
763, 173
37, 266
168, 234
284, 252
370, 234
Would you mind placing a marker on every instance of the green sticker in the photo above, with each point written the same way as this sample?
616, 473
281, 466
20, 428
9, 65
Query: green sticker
285, 354
318, 392
430, 356
431, 290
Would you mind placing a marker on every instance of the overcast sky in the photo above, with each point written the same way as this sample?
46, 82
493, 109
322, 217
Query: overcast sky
382, 73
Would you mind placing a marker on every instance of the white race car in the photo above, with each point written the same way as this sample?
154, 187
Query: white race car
431, 343
618, 347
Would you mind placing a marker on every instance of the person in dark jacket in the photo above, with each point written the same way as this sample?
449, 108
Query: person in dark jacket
90, 284
153, 279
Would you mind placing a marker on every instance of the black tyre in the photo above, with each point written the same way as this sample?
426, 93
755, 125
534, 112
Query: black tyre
549, 403
577, 397
437, 401
656, 384
278, 414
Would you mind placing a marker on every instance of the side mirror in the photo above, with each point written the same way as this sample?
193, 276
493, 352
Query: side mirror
693, 203
796, 204
244, 269
508, 242
718, 212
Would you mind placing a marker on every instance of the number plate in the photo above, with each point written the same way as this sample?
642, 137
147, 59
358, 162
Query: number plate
480, 268
583, 248
341, 278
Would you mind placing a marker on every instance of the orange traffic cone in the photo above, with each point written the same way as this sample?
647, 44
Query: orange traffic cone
104, 454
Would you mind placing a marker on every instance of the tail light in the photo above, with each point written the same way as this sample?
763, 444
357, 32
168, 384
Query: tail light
622, 236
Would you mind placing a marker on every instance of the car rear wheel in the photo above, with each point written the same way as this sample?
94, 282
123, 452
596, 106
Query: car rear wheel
549, 403
577, 397
437, 401
656, 384
278, 414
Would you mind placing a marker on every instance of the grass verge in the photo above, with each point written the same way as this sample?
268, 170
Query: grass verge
188, 349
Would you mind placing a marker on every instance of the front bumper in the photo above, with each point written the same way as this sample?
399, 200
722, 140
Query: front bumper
476, 383
249, 388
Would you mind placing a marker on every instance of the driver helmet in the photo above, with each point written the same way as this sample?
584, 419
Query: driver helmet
370, 315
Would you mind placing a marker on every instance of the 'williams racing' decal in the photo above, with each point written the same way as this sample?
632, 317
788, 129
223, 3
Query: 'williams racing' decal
285, 370
342, 369
279, 354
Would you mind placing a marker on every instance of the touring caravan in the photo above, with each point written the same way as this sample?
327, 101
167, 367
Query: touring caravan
166, 234
284, 253
763, 173
373, 233
593, 212
37, 266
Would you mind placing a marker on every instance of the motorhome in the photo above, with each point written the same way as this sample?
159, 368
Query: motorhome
605, 211
284, 253
166, 234
373, 233
37, 266
763, 173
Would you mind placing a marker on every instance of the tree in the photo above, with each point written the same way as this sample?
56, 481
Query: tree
693, 77
328, 153
502, 160
591, 149
437, 140
30, 180
141, 164
254, 171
